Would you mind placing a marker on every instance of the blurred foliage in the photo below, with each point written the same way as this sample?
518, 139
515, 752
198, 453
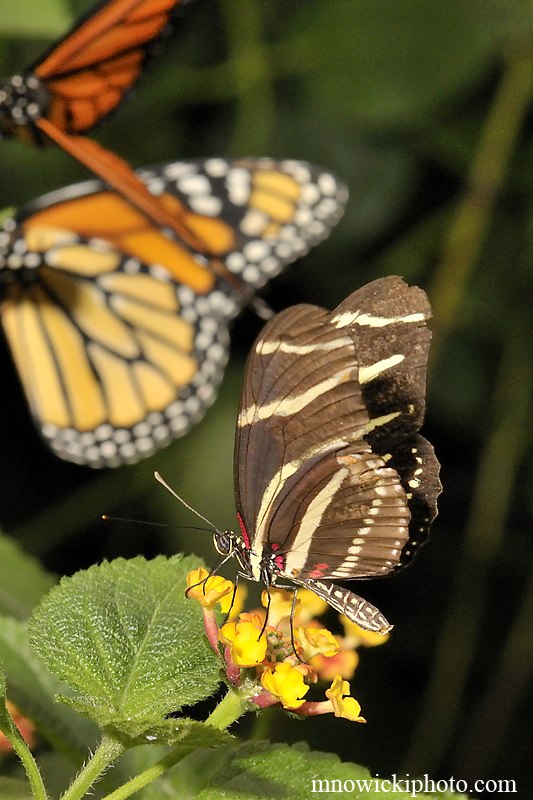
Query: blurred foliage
424, 110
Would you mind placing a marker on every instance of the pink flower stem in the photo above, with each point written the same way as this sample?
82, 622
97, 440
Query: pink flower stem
211, 629
233, 672
313, 708
264, 700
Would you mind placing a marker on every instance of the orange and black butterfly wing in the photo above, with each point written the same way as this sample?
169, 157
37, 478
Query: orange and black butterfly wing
248, 218
119, 333
252, 217
116, 359
86, 75
118, 175
80, 81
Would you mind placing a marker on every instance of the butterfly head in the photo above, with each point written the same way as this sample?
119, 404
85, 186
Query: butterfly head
226, 543
230, 545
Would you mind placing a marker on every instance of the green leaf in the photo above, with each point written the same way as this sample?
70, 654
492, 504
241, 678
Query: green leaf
124, 637
33, 688
22, 18
14, 789
138, 759
256, 770
389, 63
187, 732
193, 774
22, 580
263, 770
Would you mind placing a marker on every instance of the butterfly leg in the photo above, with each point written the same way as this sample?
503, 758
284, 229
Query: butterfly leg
294, 591
266, 613
291, 622
234, 594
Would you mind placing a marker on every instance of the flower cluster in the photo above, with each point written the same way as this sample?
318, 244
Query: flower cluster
275, 656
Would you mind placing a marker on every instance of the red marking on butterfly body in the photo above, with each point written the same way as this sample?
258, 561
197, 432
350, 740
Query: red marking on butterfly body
279, 561
244, 532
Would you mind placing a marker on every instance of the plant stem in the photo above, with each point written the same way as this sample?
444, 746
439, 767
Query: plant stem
504, 448
252, 75
148, 775
32, 770
106, 753
484, 535
230, 708
262, 725
487, 174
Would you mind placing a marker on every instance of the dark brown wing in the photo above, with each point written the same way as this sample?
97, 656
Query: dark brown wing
310, 486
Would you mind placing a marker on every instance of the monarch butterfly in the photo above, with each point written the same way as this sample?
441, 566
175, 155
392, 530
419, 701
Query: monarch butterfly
120, 334
80, 80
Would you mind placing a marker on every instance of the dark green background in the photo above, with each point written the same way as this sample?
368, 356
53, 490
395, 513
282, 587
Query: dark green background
423, 108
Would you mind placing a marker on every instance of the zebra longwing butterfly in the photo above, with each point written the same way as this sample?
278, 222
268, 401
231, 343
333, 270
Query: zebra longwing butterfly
332, 479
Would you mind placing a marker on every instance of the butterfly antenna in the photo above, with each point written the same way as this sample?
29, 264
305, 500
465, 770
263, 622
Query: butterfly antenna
262, 309
111, 518
163, 482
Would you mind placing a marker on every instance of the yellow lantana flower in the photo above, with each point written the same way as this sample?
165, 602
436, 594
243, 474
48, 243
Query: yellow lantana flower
238, 603
343, 705
344, 663
280, 606
315, 642
257, 618
247, 648
311, 605
285, 682
209, 590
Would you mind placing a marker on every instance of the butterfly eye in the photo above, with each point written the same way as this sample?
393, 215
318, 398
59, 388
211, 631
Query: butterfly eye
224, 542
